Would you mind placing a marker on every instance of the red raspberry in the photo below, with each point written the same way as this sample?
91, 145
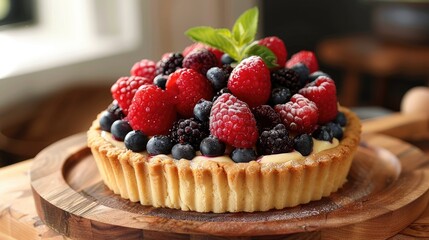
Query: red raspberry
200, 60
188, 86
124, 89
152, 111
144, 68
218, 53
250, 81
323, 92
299, 115
232, 122
277, 46
305, 57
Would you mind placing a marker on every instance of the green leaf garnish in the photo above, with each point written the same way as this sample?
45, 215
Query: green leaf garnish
238, 43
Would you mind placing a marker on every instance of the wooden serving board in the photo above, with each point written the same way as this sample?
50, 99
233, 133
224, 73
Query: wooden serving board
387, 189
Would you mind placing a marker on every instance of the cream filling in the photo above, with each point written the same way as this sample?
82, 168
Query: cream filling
318, 146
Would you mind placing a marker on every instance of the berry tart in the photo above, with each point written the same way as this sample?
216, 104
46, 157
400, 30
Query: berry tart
227, 125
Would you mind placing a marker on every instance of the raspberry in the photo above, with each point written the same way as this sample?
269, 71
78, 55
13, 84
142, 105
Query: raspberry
232, 122
266, 118
307, 58
277, 46
288, 78
124, 89
250, 81
323, 92
169, 64
152, 111
274, 141
299, 115
189, 131
200, 60
218, 53
144, 68
188, 86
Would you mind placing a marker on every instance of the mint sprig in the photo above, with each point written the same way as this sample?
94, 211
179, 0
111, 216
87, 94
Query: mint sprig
238, 43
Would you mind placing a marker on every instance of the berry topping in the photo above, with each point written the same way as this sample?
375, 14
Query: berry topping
116, 110
200, 60
303, 144
323, 92
160, 81
266, 118
277, 46
135, 141
232, 122
302, 72
250, 81
183, 151
202, 110
106, 120
222, 91
169, 64
152, 111
145, 68
159, 145
341, 119
299, 115
212, 147
124, 89
312, 77
323, 133
226, 59
280, 95
196, 46
218, 77
274, 141
188, 131
288, 78
189, 87
336, 129
119, 129
308, 58
243, 155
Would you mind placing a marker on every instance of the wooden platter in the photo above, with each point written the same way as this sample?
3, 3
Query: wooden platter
387, 189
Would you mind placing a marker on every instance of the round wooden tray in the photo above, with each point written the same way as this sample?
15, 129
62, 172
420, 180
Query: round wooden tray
387, 189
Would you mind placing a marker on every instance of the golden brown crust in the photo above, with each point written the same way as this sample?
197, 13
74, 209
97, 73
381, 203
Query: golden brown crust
208, 186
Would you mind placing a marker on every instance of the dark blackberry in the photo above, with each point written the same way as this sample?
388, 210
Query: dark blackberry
170, 64
274, 141
160, 81
106, 120
303, 73
202, 110
266, 118
341, 119
280, 95
303, 144
323, 133
336, 130
243, 155
222, 91
119, 129
159, 144
183, 151
288, 78
135, 141
189, 131
217, 77
116, 110
212, 147
201, 60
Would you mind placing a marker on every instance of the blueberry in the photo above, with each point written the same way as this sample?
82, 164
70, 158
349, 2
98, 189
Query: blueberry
136, 141
280, 95
119, 129
336, 129
226, 59
202, 110
303, 73
243, 155
106, 120
159, 145
185, 151
212, 147
304, 144
312, 77
341, 119
217, 77
323, 133
160, 81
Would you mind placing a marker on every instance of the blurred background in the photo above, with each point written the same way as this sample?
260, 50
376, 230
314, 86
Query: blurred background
59, 58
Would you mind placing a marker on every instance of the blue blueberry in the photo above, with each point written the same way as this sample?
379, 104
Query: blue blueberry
217, 77
136, 141
106, 120
303, 73
226, 59
212, 147
202, 110
119, 129
336, 130
280, 95
243, 155
341, 119
159, 144
312, 77
304, 144
160, 81
323, 133
183, 151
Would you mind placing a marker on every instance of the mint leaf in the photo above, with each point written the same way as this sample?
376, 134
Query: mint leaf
244, 29
217, 38
265, 53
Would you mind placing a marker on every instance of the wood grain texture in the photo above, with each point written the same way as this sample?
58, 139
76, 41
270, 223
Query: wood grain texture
384, 187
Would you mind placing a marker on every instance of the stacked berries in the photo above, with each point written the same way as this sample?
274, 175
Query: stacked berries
202, 101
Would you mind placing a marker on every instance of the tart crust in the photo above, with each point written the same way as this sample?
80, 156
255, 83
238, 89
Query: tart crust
209, 186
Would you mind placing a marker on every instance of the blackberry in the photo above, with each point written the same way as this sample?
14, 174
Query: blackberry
303, 144
159, 144
189, 131
222, 91
135, 141
274, 141
280, 95
202, 110
160, 81
217, 77
266, 117
286, 77
116, 110
183, 151
200, 60
106, 120
303, 73
170, 64
119, 129
243, 155
212, 147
